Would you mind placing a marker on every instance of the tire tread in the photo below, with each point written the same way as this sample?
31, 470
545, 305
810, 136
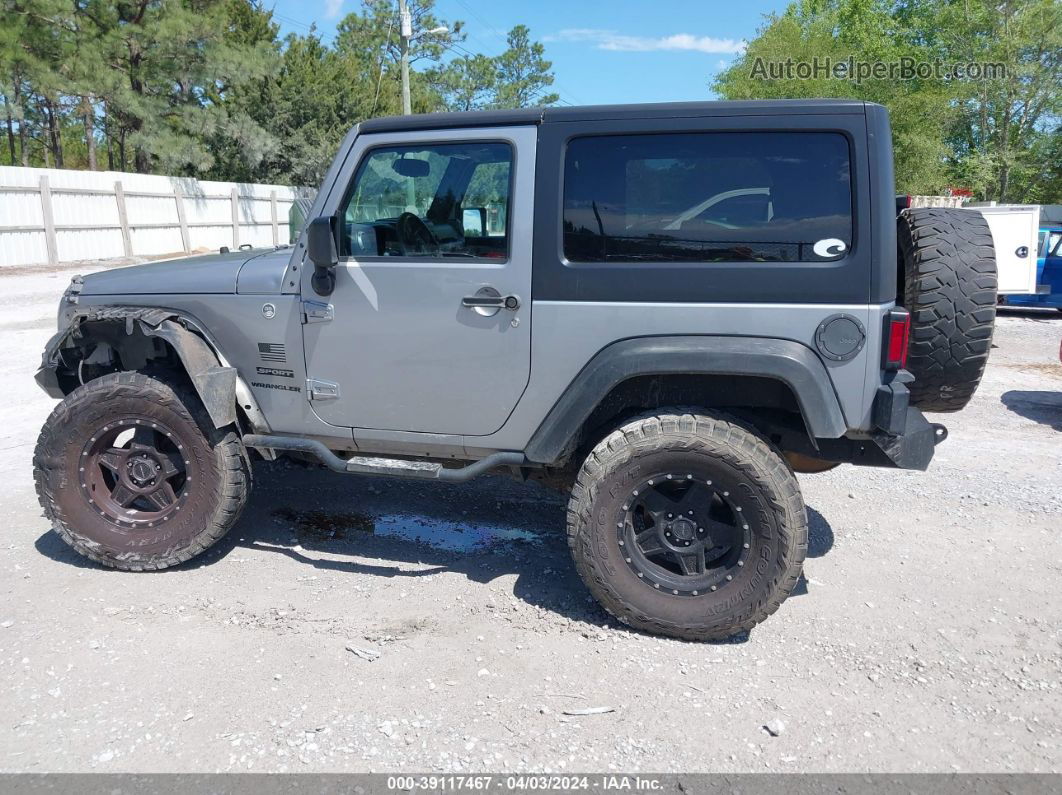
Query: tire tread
91, 399
698, 434
949, 288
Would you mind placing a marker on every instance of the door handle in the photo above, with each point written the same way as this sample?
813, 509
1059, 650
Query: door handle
488, 302
511, 302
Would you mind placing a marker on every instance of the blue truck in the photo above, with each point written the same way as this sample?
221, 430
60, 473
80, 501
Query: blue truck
1048, 271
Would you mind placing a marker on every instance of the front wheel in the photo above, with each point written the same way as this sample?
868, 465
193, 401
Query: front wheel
687, 525
132, 473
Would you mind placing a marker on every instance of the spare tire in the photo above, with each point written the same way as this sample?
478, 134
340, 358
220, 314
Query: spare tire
948, 268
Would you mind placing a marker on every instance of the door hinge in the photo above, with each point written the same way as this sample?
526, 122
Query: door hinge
317, 312
321, 390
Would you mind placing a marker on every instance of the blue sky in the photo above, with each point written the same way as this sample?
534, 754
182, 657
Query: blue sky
602, 50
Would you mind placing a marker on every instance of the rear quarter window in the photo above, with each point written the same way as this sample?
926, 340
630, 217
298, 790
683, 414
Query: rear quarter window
708, 197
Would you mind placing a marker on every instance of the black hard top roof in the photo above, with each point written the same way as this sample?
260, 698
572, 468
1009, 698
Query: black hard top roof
499, 118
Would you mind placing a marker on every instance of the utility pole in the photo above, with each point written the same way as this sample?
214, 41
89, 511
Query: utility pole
406, 30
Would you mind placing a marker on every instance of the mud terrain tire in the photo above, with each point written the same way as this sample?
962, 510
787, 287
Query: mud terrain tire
948, 267
745, 479
107, 516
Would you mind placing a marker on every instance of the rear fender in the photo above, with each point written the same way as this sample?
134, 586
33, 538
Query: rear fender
789, 362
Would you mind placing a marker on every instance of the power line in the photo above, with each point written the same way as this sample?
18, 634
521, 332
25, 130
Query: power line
310, 28
291, 21
383, 57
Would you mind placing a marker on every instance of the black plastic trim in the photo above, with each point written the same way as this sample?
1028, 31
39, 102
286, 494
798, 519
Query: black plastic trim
658, 110
789, 362
890, 407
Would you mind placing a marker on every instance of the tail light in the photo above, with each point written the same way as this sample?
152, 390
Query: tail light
897, 334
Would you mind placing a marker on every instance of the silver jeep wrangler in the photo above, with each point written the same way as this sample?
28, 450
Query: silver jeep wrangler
664, 309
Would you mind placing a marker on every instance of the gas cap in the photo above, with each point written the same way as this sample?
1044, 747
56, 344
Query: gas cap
840, 337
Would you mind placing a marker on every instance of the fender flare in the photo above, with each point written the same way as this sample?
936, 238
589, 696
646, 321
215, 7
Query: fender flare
793, 364
216, 383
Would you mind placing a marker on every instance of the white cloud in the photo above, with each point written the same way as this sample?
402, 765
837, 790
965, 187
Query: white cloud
332, 8
611, 40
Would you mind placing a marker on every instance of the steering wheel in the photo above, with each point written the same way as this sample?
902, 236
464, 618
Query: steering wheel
415, 238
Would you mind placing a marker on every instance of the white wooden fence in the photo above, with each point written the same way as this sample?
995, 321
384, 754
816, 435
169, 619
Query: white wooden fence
54, 215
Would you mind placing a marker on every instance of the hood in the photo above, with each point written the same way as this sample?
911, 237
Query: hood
213, 273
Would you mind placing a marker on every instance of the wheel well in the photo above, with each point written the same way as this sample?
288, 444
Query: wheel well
107, 346
766, 404
125, 341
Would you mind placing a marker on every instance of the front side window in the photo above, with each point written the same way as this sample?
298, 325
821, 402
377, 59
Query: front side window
441, 200
708, 197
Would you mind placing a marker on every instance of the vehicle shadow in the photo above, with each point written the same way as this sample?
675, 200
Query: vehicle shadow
489, 528
1042, 407
820, 534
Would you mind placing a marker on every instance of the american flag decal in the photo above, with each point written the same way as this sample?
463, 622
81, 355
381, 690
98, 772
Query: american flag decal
271, 352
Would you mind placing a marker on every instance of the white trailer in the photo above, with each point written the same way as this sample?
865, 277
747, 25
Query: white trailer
1014, 232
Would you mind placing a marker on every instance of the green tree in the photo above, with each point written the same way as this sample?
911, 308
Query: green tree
36, 46
207, 87
243, 137
1007, 124
523, 73
989, 134
517, 78
466, 83
311, 103
371, 38
865, 31
172, 63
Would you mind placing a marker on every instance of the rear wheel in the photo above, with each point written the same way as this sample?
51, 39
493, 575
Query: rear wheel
948, 266
133, 475
687, 525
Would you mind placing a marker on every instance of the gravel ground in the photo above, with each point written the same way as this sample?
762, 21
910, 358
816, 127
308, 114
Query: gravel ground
355, 624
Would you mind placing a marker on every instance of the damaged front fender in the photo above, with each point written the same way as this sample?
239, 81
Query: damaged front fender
214, 382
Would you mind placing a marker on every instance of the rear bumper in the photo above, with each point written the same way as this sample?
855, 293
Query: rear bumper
911, 448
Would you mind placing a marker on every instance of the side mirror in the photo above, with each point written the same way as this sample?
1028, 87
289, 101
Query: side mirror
321, 248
